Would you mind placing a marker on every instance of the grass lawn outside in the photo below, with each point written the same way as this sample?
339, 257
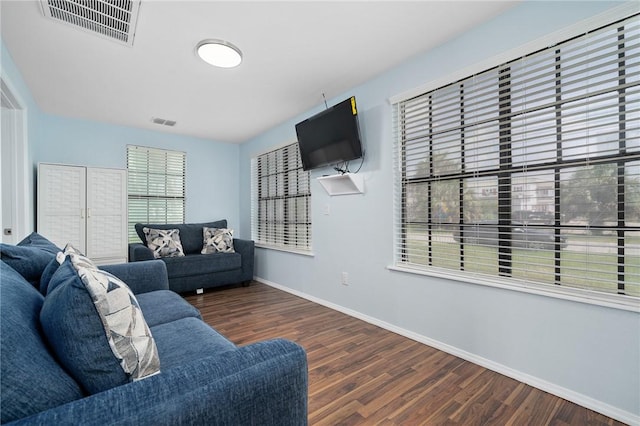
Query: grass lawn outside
588, 262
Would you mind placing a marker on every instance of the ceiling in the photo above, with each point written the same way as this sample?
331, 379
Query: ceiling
293, 53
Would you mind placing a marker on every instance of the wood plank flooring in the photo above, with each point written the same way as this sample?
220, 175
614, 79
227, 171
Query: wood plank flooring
360, 374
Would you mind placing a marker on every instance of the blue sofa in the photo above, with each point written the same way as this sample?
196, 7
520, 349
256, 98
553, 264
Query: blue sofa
204, 379
195, 270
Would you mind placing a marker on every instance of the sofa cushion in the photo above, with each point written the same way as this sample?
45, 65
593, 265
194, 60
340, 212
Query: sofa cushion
163, 306
163, 242
199, 264
32, 380
190, 233
48, 272
30, 256
95, 326
188, 339
217, 240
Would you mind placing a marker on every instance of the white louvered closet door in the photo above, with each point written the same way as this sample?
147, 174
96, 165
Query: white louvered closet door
86, 207
62, 204
107, 215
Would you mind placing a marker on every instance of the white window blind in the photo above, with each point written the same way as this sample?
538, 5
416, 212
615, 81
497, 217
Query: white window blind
156, 185
530, 170
281, 200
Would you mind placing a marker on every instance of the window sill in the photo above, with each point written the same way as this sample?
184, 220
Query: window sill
286, 249
625, 303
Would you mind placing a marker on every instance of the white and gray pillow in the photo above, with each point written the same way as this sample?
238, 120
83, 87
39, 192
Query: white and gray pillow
95, 326
129, 336
217, 240
163, 242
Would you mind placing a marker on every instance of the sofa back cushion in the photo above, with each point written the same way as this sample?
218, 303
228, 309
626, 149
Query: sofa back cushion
32, 381
191, 236
95, 326
30, 256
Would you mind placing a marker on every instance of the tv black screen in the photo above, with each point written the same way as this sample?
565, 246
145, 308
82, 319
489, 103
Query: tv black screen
331, 136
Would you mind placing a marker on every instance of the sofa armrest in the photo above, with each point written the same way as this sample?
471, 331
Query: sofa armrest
138, 252
246, 248
141, 277
264, 383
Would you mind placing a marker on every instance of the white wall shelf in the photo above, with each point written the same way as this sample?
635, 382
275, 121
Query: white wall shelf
343, 184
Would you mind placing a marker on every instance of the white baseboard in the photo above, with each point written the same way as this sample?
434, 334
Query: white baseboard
569, 395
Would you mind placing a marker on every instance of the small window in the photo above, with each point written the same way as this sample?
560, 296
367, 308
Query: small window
156, 185
281, 200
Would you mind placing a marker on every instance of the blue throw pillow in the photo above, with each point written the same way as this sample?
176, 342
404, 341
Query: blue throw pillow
93, 322
30, 256
36, 240
48, 272
53, 266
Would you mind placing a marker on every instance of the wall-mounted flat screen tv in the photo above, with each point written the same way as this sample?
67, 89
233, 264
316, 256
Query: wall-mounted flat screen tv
331, 136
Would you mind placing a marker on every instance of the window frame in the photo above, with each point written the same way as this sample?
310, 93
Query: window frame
278, 180
620, 301
176, 160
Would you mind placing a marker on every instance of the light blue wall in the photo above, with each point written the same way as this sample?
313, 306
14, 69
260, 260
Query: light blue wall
588, 353
212, 177
212, 167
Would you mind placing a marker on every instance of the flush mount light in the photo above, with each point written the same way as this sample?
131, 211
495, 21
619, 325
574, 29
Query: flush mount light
219, 53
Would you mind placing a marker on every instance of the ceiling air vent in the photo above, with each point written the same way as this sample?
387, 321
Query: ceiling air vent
163, 122
112, 19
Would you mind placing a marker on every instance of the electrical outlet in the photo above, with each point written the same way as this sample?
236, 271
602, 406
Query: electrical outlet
345, 278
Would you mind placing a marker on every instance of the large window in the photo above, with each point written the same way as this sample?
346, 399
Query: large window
281, 200
156, 185
529, 172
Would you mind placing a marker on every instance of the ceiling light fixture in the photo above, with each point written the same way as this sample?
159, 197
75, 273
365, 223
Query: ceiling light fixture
219, 53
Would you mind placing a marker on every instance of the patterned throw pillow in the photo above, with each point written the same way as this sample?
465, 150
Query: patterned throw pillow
163, 242
94, 323
30, 256
129, 336
217, 240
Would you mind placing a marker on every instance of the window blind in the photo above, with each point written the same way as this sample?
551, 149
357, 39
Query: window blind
281, 200
156, 186
529, 170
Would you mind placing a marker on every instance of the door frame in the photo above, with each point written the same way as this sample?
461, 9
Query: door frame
18, 176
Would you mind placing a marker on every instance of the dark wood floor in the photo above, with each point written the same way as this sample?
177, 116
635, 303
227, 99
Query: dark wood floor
360, 374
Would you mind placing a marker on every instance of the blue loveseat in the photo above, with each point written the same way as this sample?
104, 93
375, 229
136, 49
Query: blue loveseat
204, 379
195, 270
